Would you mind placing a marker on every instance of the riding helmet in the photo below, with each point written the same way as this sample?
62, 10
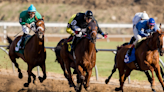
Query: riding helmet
89, 14
31, 8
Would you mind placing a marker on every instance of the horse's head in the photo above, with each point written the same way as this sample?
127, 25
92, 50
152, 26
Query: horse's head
92, 31
40, 27
158, 40
161, 42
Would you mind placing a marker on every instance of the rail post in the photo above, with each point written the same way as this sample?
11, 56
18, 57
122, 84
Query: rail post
4, 36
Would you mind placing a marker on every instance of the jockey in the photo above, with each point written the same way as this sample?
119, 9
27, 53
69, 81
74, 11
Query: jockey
78, 22
144, 28
138, 17
27, 19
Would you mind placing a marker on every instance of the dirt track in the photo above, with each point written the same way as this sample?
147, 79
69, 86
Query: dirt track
9, 82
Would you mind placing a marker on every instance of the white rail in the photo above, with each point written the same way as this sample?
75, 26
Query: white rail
114, 25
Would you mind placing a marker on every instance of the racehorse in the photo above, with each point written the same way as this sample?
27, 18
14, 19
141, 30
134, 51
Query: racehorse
82, 60
147, 57
34, 52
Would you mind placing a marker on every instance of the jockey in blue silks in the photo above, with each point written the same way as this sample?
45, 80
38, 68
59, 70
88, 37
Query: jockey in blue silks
144, 28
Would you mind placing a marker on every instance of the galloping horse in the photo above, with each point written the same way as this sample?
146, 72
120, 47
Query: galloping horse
82, 60
34, 52
147, 57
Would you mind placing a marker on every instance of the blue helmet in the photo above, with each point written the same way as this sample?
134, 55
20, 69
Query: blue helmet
151, 21
31, 8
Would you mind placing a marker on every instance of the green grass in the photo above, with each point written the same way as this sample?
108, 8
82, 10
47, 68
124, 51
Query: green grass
105, 61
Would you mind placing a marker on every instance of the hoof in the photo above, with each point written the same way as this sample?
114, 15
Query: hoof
87, 88
82, 77
117, 89
71, 85
26, 84
153, 90
20, 75
40, 79
106, 81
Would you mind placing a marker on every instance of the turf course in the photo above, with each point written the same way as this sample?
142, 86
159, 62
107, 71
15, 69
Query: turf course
105, 61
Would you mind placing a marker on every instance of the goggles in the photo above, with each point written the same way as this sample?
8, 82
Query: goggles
31, 12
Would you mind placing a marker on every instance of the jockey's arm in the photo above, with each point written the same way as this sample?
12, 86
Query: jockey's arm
69, 30
38, 15
22, 18
141, 33
139, 27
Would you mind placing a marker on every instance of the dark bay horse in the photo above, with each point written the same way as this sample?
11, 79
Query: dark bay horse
34, 52
83, 59
147, 57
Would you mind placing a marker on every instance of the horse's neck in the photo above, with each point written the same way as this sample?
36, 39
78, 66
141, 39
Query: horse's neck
87, 46
38, 44
151, 45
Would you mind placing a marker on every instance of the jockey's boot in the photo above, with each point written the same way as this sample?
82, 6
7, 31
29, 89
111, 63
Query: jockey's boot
23, 39
130, 50
69, 42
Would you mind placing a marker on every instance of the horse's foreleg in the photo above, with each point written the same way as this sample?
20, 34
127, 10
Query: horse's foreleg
89, 73
157, 71
153, 79
20, 75
162, 72
80, 78
44, 73
113, 71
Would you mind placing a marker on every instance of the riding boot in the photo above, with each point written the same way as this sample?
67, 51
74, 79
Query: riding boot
23, 39
69, 42
130, 50
73, 43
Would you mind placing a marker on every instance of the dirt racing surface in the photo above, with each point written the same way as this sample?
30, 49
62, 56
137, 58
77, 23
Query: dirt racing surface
9, 82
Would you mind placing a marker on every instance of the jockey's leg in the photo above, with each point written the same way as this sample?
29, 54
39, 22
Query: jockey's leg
26, 31
137, 36
23, 39
70, 41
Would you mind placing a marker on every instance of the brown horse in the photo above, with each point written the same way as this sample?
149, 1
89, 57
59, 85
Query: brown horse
34, 52
147, 57
82, 60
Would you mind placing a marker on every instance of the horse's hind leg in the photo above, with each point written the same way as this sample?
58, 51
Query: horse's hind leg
148, 76
113, 71
121, 76
44, 73
17, 66
29, 71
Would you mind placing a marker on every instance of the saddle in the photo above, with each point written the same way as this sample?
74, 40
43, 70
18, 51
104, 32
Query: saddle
131, 58
17, 47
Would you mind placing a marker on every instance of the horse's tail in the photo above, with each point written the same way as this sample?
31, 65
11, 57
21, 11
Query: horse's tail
57, 52
58, 48
9, 41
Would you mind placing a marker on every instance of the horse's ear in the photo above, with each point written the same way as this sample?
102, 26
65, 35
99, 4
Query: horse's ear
43, 17
160, 25
36, 18
159, 31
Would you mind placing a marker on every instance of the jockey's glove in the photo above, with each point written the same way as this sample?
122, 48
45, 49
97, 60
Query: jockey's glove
104, 35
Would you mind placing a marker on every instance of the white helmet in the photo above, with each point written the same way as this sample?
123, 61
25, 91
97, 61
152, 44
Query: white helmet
144, 16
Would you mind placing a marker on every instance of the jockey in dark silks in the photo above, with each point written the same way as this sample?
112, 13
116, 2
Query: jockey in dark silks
79, 22
27, 19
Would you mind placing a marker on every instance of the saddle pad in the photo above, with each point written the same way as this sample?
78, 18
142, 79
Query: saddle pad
129, 59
